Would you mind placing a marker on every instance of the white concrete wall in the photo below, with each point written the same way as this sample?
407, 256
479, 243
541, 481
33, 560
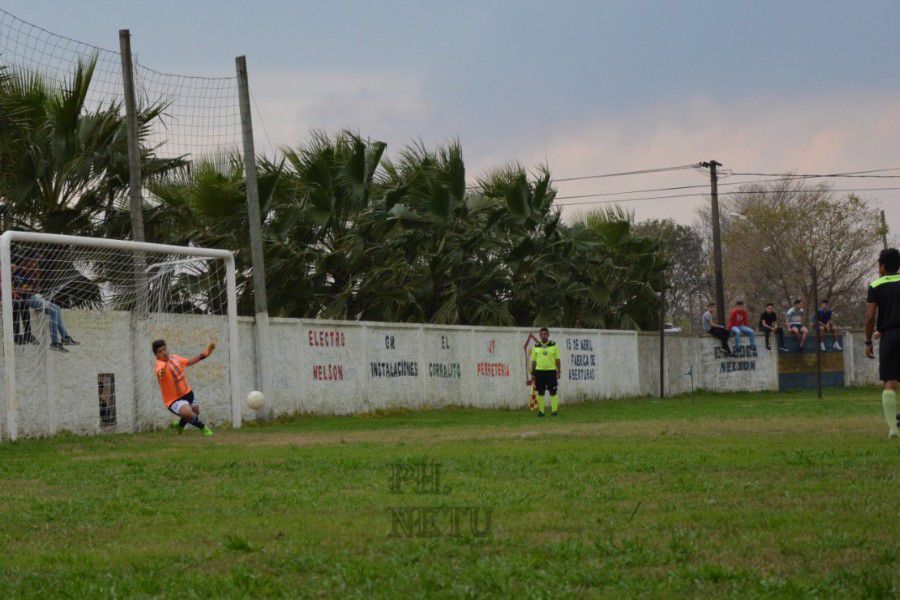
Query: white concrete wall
333, 365
497, 367
859, 370
582, 376
682, 364
648, 363
340, 367
742, 372
620, 365
445, 360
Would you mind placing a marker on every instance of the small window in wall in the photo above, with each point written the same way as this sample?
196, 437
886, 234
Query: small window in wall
106, 391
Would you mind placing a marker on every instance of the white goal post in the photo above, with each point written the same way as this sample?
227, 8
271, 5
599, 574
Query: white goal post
118, 294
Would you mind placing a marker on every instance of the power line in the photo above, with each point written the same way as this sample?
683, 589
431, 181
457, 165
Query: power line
729, 173
624, 173
851, 190
600, 195
669, 189
476, 186
859, 174
695, 195
779, 177
621, 200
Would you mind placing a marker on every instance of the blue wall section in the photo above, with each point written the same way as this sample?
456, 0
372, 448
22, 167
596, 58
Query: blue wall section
797, 370
807, 381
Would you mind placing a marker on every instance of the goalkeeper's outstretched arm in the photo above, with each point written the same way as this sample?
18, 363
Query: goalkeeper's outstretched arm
203, 355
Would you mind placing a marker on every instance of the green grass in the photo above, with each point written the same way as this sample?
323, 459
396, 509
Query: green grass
739, 495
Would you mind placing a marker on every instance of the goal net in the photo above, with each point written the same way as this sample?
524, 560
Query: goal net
79, 316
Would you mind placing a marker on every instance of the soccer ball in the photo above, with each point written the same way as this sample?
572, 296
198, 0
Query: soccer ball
256, 400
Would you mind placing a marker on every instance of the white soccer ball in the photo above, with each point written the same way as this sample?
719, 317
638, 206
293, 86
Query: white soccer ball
256, 400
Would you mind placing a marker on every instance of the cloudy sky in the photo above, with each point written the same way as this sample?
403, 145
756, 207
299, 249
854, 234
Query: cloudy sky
586, 87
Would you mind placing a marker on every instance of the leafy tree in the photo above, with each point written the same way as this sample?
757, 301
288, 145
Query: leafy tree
445, 235
65, 167
687, 278
204, 204
631, 271
774, 234
331, 181
351, 235
347, 233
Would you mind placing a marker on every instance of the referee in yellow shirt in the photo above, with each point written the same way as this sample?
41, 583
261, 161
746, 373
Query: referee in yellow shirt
545, 371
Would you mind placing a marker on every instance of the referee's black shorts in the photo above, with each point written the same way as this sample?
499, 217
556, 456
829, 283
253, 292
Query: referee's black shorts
545, 381
889, 355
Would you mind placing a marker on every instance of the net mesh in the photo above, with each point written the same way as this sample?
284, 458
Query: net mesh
84, 319
202, 116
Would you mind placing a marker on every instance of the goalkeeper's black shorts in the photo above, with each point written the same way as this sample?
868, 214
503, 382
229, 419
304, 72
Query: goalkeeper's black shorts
545, 381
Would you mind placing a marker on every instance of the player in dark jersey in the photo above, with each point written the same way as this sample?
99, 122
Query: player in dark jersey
884, 301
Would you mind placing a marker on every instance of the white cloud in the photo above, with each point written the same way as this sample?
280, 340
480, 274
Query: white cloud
835, 132
770, 133
378, 105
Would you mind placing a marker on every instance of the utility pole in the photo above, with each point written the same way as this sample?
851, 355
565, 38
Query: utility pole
260, 300
884, 231
662, 337
717, 235
815, 311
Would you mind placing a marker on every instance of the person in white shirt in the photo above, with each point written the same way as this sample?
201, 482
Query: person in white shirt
794, 318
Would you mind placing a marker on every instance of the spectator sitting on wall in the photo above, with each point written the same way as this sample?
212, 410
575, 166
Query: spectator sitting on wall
795, 323
715, 329
30, 289
739, 323
768, 322
826, 325
21, 316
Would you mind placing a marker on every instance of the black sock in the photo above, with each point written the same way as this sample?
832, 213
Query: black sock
198, 423
183, 423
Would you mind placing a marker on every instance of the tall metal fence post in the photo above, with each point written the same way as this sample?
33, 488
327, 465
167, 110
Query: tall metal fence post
140, 310
254, 218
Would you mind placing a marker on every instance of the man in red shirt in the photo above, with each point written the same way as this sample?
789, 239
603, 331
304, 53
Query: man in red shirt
738, 323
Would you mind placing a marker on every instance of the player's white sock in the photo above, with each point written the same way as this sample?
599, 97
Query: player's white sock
889, 403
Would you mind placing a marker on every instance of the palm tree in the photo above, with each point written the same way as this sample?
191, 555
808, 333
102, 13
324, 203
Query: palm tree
452, 271
204, 204
331, 180
65, 165
627, 273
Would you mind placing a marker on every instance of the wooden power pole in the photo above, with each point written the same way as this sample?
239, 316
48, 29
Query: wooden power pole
717, 235
814, 309
662, 337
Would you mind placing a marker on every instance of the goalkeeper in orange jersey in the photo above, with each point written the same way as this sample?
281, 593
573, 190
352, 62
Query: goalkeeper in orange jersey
177, 394
545, 371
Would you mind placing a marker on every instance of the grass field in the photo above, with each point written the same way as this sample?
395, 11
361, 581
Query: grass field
728, 495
